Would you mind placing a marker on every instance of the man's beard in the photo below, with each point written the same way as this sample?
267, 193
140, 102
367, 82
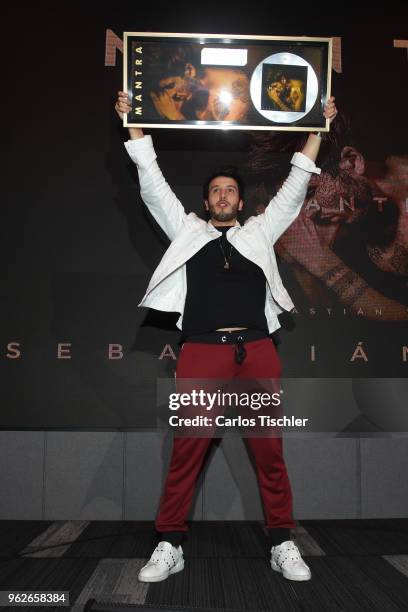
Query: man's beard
224, 215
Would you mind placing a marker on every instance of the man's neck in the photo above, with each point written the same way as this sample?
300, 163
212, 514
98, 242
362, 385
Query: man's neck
223, 223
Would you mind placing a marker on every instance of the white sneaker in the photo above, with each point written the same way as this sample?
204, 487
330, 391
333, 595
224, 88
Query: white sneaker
166, 559
286, 559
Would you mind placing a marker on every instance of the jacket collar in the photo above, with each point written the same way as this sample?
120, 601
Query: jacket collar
212, 228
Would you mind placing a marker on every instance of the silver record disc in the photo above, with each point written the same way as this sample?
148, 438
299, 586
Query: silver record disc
289, 62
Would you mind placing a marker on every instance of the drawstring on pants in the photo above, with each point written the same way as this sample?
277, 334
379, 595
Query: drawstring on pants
240, 350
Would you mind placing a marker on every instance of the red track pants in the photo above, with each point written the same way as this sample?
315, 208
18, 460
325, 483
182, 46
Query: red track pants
198, 360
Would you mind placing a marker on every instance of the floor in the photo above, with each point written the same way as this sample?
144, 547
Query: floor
356, 565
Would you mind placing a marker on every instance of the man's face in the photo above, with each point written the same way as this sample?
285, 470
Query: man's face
223, 201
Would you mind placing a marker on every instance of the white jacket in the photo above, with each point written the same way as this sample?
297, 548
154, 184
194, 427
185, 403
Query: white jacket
188, 233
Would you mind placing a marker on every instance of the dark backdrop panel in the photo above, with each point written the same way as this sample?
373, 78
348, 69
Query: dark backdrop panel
78, 247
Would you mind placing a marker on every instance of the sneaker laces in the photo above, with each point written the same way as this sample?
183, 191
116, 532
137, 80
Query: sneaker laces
160, 552
288, 551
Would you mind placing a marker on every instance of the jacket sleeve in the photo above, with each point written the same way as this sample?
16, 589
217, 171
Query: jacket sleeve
283, 209
155, 191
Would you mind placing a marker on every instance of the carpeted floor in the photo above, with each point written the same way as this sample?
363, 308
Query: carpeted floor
356, 565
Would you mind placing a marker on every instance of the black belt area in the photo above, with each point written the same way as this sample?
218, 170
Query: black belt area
238, 338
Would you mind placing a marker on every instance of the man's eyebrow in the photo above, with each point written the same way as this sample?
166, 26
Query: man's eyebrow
235, 187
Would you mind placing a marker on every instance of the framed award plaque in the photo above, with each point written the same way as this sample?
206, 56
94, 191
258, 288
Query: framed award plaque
208, 81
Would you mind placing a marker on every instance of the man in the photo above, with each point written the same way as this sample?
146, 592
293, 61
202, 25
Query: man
223, 280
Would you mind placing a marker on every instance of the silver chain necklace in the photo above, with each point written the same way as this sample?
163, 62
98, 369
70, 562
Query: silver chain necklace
226, 264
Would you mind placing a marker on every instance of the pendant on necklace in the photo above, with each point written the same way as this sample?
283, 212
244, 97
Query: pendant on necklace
226, 265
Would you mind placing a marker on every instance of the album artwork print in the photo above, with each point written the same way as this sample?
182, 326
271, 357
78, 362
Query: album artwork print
284, 88
209, 81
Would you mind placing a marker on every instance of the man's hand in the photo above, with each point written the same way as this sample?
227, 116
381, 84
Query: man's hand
123, 106
166, 106
312, 146
330, 110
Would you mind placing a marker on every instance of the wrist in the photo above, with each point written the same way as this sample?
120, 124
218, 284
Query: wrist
135, 133
321, 135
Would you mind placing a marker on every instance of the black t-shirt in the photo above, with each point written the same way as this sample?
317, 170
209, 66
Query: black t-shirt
219, 297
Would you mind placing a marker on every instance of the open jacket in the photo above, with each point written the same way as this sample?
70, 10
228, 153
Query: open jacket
188, 233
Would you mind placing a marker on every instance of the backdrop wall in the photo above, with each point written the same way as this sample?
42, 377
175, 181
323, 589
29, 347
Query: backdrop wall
78, 249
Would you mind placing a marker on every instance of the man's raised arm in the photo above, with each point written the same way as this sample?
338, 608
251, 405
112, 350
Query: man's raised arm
155, 191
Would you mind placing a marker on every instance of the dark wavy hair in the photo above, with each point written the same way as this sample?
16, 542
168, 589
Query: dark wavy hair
230, 172
169, 61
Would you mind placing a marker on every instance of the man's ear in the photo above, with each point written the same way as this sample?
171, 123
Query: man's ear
206, 205
240, 204
190, 71
351, 160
